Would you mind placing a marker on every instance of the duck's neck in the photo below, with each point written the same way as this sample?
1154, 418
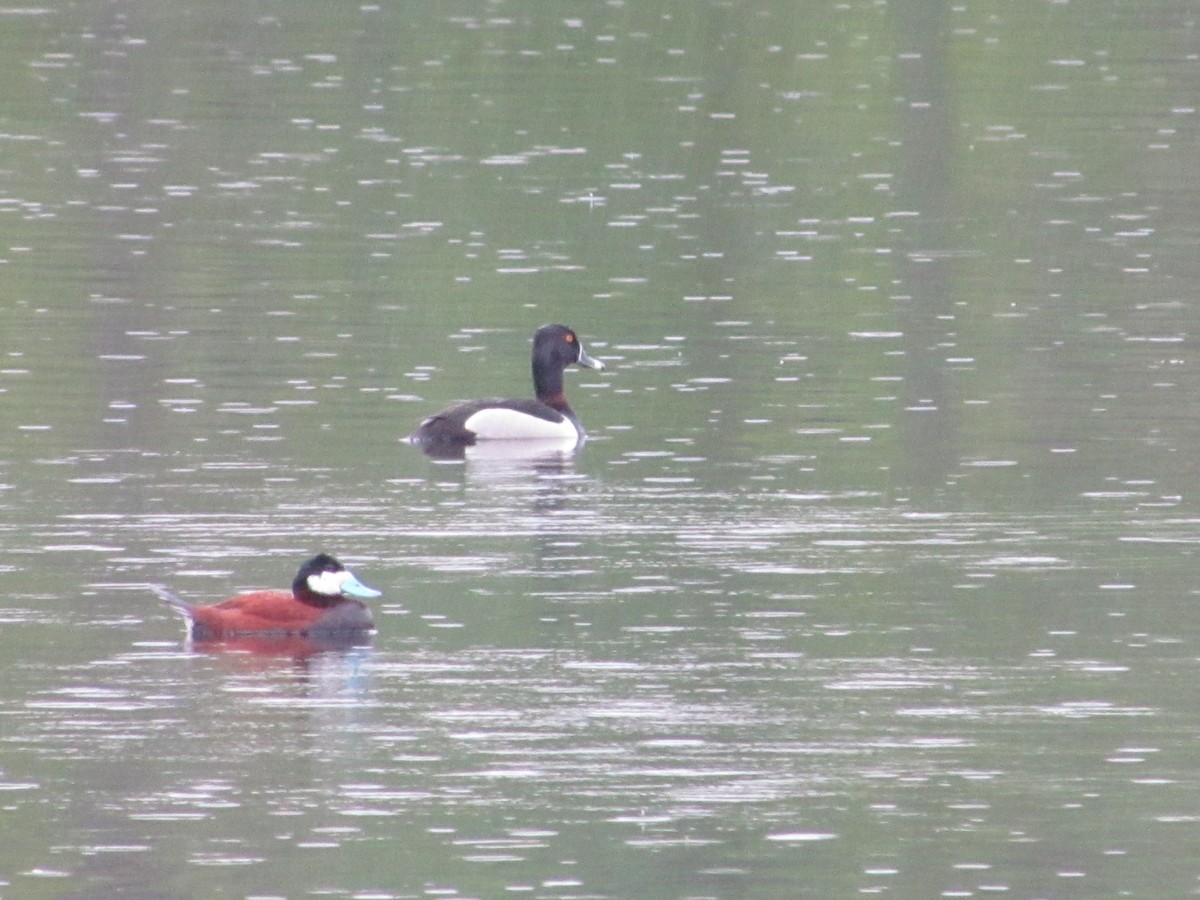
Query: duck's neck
548, 387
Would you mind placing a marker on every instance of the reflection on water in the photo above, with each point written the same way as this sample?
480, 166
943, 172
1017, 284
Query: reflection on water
557, 761
501, 455
294, 647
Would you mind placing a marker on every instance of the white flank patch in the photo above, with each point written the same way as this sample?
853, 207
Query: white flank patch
495, 424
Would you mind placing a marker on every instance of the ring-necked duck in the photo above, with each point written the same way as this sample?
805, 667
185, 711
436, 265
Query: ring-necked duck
548, 417
325, 599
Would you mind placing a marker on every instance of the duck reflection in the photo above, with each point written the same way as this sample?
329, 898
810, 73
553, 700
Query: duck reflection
504, 454
299, 648
536, 474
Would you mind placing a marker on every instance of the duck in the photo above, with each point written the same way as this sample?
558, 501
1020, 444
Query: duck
548, 417
325, 599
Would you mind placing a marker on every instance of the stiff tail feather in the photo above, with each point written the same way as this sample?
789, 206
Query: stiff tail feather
174, 601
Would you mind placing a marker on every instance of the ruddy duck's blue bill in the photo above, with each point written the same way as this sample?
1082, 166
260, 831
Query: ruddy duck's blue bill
352, 587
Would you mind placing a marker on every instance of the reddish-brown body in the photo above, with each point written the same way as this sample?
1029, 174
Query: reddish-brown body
266, 611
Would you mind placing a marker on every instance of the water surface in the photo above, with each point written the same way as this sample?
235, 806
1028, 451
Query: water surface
873, 577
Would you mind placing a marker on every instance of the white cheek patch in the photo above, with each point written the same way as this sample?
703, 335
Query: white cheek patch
494, 424
327, 584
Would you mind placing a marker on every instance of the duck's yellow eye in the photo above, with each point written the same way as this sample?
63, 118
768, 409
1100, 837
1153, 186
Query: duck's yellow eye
570, 338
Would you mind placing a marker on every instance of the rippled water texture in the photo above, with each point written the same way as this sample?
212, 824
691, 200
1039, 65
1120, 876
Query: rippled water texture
874, 576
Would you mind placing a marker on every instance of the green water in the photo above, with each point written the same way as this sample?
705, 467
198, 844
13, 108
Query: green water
874, 576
